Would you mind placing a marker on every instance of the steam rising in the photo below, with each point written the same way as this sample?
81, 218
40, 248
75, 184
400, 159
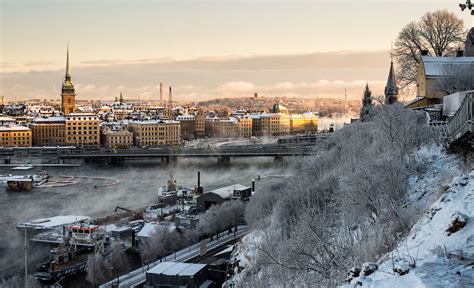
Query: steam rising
139, 185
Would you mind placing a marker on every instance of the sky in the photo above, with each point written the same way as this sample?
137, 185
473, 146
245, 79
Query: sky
204, 49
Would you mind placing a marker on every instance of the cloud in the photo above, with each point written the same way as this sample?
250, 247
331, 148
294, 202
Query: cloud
307, 75
236, 86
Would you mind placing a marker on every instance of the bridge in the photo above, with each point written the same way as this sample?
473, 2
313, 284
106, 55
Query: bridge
458, 131
118, 156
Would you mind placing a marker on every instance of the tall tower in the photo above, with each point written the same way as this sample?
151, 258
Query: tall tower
391, 90
161, 92
121, 98
68, 95
170, 100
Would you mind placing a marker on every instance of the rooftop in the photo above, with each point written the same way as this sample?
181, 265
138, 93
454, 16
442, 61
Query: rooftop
226, 192
176, 268
14, 128
49, 223
435, 66
57, 119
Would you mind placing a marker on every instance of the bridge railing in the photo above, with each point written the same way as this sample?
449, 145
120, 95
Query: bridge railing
461, 122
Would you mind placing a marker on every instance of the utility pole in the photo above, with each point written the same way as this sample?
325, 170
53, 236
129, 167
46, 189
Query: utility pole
26, 260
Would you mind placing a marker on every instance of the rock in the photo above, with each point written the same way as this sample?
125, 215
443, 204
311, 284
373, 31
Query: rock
402, 266
464, 182
458, 221
369, 268
354, 272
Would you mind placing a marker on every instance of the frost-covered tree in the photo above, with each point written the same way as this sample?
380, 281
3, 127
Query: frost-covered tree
440, 33
345, 206
366, 103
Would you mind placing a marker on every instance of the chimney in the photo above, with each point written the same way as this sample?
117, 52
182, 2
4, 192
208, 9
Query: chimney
199, 178
424, 52
199, 189
170, 99
253, 185
161, 91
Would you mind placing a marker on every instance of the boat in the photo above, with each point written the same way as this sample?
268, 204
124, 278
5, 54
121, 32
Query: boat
24, 183
72, 255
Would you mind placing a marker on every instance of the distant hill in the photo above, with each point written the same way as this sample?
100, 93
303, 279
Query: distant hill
325, 106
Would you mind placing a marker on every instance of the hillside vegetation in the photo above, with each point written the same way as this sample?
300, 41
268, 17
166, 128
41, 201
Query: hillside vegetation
348, 204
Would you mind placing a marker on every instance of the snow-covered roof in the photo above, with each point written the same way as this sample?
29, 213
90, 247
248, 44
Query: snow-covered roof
436, 66
57, 119
176, 268
191, 269
226, 192
14, 128
154, 122
6, 119
53, 222
147, 230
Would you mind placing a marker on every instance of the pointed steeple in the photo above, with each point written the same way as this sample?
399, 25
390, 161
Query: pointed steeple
68, 74
68, 95
391, 89
121, 98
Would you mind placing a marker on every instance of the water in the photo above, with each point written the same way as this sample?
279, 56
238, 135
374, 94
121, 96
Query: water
139, 183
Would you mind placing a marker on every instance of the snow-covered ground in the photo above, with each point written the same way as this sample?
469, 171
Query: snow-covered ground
243, 259
431, 256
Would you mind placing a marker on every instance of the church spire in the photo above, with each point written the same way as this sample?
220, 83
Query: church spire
391, 89
68, 75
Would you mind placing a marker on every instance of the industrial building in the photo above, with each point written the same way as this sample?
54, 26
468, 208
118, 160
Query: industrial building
172, 274
218, 196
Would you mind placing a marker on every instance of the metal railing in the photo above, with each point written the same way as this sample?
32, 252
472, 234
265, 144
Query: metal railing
462, 122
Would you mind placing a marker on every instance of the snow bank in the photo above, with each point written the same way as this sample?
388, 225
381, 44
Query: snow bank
433, 255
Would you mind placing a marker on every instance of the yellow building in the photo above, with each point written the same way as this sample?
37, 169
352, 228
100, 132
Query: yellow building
155, 133
302, 123
68, 94
432, 69
49, 131
222, 127
121, 138
270, 124
245, 127
82, 130
15, 136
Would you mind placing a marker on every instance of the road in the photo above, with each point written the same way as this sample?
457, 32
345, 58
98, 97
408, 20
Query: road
138, 277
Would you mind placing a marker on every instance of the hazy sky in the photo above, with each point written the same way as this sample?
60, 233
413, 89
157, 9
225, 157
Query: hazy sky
103, 34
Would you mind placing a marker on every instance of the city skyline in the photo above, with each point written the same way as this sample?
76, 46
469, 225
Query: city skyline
239, 47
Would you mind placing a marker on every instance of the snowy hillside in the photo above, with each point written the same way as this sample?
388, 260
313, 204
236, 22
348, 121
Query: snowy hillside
439, 251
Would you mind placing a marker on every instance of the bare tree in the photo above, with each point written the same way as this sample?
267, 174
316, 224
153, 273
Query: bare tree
456, 79
440, 33
98, 271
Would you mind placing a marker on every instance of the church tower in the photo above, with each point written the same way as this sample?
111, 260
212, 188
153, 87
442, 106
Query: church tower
391, 90
68, 95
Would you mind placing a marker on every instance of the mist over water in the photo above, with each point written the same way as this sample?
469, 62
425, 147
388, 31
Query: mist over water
139, 184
